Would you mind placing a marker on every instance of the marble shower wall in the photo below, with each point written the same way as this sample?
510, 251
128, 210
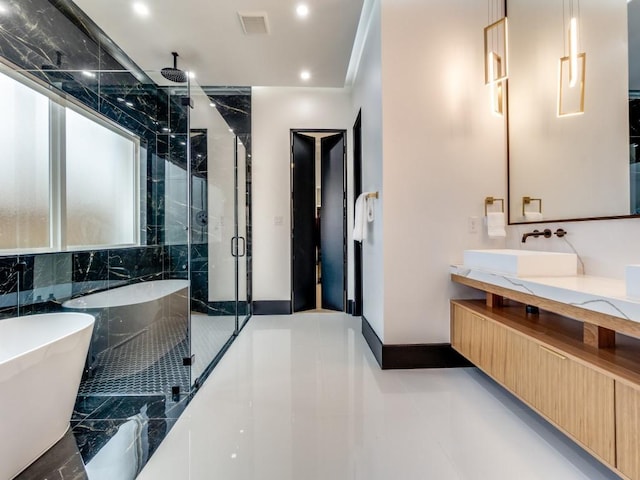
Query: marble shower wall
55, 42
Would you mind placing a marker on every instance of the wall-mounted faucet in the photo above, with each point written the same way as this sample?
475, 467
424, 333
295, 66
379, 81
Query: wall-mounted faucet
546, 233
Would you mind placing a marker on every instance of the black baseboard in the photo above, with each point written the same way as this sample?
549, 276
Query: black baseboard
427, 355
350, 307
271, 307
222, 308
374, 342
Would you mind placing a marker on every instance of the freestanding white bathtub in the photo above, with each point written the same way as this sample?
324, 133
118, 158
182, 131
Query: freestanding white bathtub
41, 362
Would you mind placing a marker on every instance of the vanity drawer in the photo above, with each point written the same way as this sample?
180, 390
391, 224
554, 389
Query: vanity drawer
576, 398
628, 429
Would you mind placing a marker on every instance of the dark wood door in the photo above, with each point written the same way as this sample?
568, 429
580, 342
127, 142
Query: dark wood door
332, 222
304, 228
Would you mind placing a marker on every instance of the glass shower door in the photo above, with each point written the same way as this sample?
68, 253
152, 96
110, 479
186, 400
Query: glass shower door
242, 214
213, 297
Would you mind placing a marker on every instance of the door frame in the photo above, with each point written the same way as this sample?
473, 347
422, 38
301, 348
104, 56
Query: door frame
357, 190
337, 131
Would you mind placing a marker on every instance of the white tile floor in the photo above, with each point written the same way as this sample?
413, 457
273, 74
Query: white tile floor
301, 397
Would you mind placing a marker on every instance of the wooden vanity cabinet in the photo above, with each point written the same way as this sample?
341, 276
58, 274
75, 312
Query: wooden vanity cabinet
579, 400
628, 429
576, 398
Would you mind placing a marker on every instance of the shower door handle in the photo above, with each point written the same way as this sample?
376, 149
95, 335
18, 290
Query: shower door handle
244, 247
234, 247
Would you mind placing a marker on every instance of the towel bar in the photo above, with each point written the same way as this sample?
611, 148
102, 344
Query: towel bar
528, 200
490, 200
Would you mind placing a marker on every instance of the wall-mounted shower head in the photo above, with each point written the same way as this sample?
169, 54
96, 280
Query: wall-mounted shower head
174, 74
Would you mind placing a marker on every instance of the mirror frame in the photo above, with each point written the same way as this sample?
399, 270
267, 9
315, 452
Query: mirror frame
507, 109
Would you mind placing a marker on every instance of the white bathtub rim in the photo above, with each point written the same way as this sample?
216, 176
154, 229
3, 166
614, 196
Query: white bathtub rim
54, 340
81, 304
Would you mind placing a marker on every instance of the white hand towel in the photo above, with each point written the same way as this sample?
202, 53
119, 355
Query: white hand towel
370, 211
360, 216
495, 225
533, 216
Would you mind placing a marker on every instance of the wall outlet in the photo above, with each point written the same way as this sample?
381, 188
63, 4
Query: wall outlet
474, 224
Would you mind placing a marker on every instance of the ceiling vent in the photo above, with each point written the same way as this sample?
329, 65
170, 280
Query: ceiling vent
254, 23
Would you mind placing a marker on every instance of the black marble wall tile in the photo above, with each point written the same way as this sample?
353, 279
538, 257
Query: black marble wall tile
634, 117
178, 112
199, 152
90, 266
138, 263
177, 258
129, 102
156, 186
200, 257
234, 104
34, 31
200, 291
8, 287
92, 435
123, 407
90, 271
8, 275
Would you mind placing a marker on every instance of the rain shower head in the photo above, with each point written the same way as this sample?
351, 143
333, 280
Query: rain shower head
174, 74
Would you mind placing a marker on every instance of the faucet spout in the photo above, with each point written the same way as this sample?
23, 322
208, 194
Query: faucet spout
536, 233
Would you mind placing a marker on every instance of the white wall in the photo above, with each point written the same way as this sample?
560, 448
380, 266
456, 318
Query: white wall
367, 98
604, 246
275, 111
443, 153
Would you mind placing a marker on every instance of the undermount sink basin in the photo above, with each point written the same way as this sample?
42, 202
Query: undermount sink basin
633, 280
523, 263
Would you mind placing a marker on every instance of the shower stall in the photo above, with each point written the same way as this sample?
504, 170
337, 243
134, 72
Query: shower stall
126, 196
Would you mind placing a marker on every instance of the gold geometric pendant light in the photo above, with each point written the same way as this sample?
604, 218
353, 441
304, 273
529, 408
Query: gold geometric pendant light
572, 68
496, 40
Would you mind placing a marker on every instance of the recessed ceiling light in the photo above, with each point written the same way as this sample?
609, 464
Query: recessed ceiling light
166, 129
120, 99
89, 74
212, 105
305, 75
231, 130
302, 10
129, 104
192, 75
141, 9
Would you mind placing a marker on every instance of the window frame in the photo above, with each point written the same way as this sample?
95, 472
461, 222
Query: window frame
58, 103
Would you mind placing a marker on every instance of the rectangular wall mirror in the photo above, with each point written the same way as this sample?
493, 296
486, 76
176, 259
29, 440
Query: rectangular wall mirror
565, 163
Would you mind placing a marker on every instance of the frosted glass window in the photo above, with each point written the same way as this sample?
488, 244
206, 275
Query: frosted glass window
24, 180
101, 184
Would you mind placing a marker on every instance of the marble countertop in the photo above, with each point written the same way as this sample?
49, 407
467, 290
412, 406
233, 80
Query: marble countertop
598, 294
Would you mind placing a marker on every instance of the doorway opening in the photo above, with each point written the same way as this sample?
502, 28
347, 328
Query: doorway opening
319, 220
